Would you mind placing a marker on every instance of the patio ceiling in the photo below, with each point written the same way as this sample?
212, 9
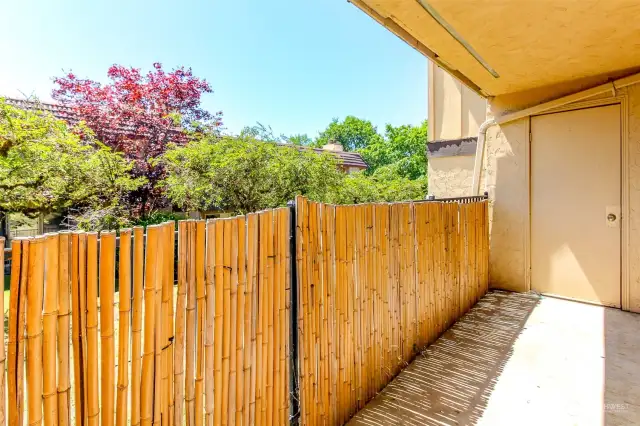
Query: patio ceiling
499, 46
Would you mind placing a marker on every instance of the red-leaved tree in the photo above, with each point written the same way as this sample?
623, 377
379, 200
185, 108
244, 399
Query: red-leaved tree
139, 115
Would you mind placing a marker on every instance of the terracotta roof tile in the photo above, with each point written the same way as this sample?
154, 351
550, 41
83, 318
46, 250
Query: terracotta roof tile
348, 159
66, 113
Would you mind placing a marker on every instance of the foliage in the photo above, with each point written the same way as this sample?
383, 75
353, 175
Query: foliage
245, 175
352, 133
397, 162
300, 139
403, 148
44, 167
157, 217
260, 132
265, 133
139, 115
382, 186
112, 217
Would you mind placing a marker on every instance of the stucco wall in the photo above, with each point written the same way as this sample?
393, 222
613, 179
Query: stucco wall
454, 110
633, 93
450, 176
504, 176
505, 173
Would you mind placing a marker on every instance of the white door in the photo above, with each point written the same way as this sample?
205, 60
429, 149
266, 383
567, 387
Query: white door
575, 204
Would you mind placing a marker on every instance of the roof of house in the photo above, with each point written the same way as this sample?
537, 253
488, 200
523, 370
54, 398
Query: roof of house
61, 112
66, 113
347, 159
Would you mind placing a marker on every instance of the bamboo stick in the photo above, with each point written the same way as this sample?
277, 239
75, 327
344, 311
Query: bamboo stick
226, 320
316, 409
19, 265
201, 307
382, 243
159, 331
148, 362
124, 302
107, 289
365, 300
49, 329
64, 383
309, 313
262, 325
474, 251
312, 279
77, 330
302, 307
218, 327
240, 317
324, 326
269, 311
34, 331
463, 260
209, 322
159, 403
136, 322
277, 400
3, 419
191, 326
250, 362
283, 238
171, 244
165, 323
351, 310
431, 271
324, 311
233, 312
359, 344
179, 355
82, 283
93, 408
340, 315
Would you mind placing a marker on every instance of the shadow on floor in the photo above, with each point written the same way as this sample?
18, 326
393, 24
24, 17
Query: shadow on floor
451, 381
621, 367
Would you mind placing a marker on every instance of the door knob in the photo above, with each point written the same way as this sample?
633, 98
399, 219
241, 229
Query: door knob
611, 217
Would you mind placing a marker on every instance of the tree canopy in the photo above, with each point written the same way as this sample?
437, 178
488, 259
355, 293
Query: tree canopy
243, 175
352, 133
139, 115
403, 149
45, 168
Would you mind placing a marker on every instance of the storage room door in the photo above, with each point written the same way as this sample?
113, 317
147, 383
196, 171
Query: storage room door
575, 204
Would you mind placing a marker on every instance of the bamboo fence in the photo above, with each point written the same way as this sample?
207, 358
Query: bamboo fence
377, 283
173, 346
201, 335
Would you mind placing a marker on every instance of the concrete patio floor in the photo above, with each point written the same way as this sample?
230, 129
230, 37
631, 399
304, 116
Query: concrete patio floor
521, 359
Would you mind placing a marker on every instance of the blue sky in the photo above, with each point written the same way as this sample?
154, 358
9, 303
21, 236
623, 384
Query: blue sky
290, 64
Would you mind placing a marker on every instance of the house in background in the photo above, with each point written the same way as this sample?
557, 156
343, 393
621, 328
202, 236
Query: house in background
558, 147
349, 162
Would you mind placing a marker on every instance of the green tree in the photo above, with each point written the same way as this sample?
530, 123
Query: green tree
352, 133
403, 149
383, 186
242, 175
259, 132
46, 168
301, 139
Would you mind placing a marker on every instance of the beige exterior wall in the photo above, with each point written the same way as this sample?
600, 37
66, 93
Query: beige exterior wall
506, 176
454, 110
450, 176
